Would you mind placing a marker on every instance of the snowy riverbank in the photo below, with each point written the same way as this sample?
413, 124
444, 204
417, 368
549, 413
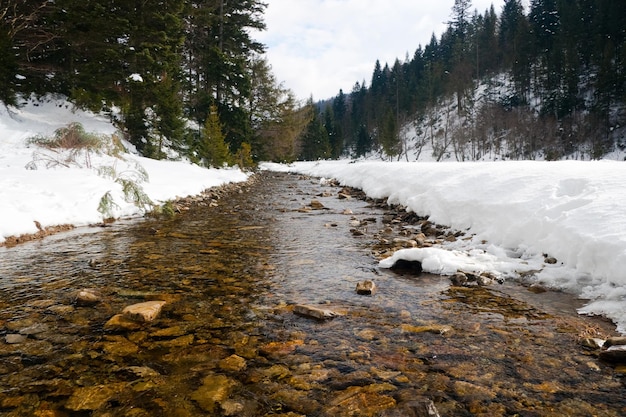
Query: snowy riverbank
518, 212
37, 185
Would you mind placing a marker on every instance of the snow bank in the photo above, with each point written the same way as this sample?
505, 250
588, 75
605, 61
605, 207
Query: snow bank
570, 210
55, 194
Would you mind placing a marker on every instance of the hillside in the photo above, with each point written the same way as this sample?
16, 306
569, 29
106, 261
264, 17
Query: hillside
543, 82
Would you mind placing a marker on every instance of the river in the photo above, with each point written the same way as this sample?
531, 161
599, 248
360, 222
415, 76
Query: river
228, 343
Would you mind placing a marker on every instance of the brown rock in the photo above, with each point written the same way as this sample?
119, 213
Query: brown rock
417, 408
93, 398
214, 391
366, 288
615, 341
87, 297
314, 312
359, 401
316, 205
144, 312
120, 322
614, 354
233, 363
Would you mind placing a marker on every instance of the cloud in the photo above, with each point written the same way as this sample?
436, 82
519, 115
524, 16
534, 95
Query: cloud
317, 47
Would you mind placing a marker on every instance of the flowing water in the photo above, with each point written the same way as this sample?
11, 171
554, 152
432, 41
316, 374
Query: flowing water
228, 343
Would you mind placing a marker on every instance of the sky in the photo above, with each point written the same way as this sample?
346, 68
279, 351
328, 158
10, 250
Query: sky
515, 211
316, 47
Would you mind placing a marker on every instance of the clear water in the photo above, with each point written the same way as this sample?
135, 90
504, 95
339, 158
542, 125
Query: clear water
231, 275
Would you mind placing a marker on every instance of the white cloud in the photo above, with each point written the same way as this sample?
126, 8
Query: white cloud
317, 47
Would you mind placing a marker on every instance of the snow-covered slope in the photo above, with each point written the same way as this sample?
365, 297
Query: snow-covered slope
39, 185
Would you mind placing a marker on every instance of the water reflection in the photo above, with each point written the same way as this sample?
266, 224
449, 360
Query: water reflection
228, 343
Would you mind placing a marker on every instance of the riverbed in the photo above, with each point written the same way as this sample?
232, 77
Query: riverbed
228, 343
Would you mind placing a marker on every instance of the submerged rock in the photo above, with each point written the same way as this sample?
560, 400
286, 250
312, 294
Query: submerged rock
87, 297
144, 312
314, 312
14, 339
417, 408
214, 391
93, 398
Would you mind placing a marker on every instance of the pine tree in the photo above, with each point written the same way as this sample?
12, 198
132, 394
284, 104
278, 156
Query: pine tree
212, 148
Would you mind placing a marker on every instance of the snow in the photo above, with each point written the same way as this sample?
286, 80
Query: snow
41, 185
516, 213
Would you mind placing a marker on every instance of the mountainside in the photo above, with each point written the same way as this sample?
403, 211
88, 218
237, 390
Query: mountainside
543, 82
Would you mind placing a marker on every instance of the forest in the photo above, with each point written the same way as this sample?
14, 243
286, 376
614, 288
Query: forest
541, 80
175, 74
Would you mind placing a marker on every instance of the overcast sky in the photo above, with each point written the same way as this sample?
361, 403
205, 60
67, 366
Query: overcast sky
316, 47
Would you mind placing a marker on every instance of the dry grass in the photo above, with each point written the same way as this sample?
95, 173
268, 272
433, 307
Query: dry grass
72, 136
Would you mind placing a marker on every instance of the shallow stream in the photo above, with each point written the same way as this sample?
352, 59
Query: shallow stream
228, 343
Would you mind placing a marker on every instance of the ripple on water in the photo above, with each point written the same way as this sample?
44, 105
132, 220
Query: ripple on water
228, 343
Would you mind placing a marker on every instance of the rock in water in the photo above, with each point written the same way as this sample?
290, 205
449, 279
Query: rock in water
366, 288
314, 312
87, 297
402, 266
144, 312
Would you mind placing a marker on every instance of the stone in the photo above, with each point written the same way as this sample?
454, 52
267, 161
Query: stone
280, 348
550, 260
615, 341
459, 279
431, 328
94, 397
214, 391
120, 346
87, 297
366, 288
34, 329
344, 196
316, 205
592, 343
233, 363
15, 339
231, 408
409, 267
359, 401
144, 312
417, 408
615, 354
314, 312
537, 288
120, 322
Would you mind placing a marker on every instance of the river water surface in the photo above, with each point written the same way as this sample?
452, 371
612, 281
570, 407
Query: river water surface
228, 343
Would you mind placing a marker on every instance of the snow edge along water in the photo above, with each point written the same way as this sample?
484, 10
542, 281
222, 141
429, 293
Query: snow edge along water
517, 213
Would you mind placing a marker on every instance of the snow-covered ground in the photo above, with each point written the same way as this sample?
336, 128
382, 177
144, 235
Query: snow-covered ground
40, 185
517, 212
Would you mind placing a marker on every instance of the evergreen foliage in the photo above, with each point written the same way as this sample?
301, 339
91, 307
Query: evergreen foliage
161, 63
559, 70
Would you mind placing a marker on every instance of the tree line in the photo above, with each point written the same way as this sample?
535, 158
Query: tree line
182, 74
550, 79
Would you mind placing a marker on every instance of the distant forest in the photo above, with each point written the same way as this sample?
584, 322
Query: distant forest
545, 82
187, 75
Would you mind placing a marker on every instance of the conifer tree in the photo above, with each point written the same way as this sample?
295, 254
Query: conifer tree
212, 149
